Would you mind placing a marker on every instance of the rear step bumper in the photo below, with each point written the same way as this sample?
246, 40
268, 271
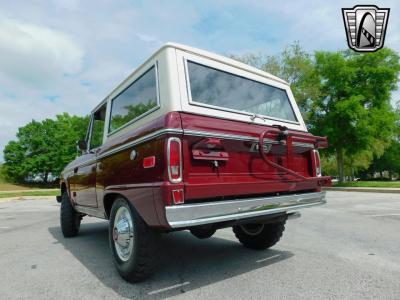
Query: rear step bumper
187, 215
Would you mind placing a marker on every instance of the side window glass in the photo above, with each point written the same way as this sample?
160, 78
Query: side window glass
99, 118
134, 101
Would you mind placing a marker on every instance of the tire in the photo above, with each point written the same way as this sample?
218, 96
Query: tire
134, 245
202, 233
259, 236
70, 219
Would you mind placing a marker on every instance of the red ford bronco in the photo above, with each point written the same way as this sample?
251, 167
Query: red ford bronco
192, 140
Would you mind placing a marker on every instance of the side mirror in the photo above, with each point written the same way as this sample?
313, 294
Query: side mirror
81, 145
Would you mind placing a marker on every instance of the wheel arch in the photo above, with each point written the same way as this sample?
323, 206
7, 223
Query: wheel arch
142, 202
108, 202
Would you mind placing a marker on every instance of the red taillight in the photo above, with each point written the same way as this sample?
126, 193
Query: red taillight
174, 154
177, 196
317, 162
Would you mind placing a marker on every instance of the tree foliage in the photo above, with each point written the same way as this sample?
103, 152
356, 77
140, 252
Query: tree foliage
389, 161
43, 148
131, 112
354, 109
343, 95
295, 66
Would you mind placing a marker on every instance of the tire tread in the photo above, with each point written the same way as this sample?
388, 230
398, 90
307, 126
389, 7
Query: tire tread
69, 218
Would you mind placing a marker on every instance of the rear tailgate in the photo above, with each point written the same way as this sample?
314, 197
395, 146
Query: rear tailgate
222, 160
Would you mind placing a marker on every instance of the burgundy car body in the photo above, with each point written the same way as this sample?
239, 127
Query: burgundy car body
222, 176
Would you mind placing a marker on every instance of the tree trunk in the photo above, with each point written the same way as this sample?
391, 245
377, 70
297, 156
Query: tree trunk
340, 163
45, 177
352, 173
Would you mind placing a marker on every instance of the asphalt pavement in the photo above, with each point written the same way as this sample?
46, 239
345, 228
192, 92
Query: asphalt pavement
347, 249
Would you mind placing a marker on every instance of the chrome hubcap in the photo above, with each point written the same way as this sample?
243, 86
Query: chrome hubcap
252, 229
123, 233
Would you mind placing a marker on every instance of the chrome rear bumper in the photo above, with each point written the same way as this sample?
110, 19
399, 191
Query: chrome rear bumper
187, 215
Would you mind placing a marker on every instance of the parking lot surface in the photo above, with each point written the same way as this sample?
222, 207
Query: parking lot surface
347, 249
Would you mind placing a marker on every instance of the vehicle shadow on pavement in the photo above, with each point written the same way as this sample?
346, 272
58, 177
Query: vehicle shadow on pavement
186, 263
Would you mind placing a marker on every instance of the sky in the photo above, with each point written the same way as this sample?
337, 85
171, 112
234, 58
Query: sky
67, 55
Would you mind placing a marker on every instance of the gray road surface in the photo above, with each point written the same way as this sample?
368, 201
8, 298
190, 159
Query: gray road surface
348, 249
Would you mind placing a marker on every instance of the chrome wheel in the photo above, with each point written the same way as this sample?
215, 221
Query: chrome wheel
252, 229
123, 233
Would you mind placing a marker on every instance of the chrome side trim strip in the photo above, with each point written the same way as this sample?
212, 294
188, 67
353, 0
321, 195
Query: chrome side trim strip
140, 140
221, 135
187, 215
186, 132
242, 138
127, 146
133, 186
85, 164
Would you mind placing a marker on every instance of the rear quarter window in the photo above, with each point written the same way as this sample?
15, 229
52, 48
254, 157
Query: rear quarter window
135, 101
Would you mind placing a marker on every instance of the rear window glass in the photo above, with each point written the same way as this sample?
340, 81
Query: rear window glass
137, 99
221, 89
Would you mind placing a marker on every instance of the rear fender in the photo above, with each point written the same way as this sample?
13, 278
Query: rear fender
140, 198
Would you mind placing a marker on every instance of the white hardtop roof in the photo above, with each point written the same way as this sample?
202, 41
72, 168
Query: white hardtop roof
222, 59
203, 53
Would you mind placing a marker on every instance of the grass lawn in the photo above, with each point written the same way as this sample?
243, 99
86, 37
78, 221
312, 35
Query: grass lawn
5, 186
17, 190
8, 186
381, 184
29, 193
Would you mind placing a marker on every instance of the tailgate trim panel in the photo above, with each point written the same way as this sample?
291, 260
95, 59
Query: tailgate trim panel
242, 138
187, 215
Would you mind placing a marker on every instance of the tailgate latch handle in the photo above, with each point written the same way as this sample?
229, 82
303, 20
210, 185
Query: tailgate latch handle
210, 149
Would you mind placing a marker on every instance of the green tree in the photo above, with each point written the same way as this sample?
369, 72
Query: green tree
43, 148
295, 66
70, 129
344, 95
389, 161
354, 109
14, 169
131, 112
